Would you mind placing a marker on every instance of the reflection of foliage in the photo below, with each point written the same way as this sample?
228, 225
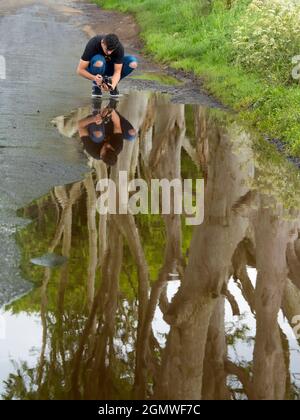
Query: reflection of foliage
190, 123
236, 388
188, 168
237, 331
16, 386
294, 391
275, 176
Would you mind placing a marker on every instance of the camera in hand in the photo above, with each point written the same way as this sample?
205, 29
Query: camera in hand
107, 81
107, 118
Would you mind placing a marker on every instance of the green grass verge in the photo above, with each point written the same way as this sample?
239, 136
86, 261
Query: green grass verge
187, 36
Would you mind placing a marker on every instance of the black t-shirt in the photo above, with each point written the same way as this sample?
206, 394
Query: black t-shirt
93, 47
94, 149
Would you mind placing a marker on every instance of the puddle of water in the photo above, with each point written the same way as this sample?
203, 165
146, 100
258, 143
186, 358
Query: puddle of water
142, 308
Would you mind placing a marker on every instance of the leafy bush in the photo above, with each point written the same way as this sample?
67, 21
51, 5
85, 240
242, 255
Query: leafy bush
268, 37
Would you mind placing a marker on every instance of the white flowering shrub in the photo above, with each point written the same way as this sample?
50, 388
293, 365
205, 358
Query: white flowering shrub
268, 37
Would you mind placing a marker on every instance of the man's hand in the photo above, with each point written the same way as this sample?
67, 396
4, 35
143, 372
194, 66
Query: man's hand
106, 84
105, 87
117, 75
98, 119
114, 83
98, 79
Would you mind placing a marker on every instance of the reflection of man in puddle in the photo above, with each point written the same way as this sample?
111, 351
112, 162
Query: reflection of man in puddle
104, 57
102, 133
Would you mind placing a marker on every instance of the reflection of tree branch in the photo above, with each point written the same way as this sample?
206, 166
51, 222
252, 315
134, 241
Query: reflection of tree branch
233, 303
127, 227
44, 302
56, 206
239, 261
214, 376
153, 363
143, 344
163, 300
246, 287
243, 376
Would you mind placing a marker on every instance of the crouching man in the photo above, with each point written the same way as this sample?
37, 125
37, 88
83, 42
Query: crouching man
104, 58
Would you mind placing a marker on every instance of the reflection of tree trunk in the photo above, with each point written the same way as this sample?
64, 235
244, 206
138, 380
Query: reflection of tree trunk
168, 135
214, 375
94, 373
211, 251
101, 171
64, 277
44, 303
201, 133
272, 236
98, 378
127, 227
210, 258
164, 161
67, 201
133, 108
146, 136
92, 231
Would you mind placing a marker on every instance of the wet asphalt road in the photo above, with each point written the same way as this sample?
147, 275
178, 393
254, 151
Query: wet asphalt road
41, 47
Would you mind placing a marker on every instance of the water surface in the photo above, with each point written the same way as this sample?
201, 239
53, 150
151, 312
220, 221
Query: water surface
146, 306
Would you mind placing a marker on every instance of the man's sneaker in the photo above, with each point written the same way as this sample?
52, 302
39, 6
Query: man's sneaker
114, 93
96, 92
